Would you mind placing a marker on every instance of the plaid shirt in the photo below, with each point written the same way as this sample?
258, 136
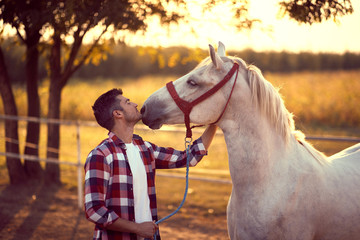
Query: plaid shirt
108, 180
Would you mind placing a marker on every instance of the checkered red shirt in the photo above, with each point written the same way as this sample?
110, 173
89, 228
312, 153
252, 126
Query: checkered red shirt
108, 180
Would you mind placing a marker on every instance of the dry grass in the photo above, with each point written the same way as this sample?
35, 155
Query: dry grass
326, 98
315, 98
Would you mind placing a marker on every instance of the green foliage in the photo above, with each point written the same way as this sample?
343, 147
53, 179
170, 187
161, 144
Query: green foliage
315, 11
304, 61
140, 61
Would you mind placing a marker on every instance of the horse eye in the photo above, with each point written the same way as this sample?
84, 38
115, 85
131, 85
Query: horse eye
191, 83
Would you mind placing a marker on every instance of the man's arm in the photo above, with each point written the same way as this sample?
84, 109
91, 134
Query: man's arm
167, 158
145, 229
208, 135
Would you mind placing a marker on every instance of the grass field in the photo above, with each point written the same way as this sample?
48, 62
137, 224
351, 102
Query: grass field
315, 98
321, 98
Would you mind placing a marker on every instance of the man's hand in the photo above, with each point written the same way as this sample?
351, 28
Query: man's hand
147, 229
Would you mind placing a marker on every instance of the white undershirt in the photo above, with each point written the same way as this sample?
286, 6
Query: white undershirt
140, 187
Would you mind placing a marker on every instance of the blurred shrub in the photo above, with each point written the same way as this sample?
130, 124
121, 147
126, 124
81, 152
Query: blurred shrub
139, 61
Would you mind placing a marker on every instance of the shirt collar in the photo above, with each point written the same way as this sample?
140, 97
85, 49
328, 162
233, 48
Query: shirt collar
118, 141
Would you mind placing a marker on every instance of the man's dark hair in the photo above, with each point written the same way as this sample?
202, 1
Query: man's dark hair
104, 107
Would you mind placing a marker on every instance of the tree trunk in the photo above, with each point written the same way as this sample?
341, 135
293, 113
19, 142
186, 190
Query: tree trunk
32, 168
53, 141
52, 172
14, 166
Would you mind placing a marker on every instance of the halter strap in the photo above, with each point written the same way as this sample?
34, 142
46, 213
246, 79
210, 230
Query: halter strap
186, 106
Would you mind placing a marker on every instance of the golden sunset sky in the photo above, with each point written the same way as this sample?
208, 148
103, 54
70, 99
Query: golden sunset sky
218, 25
286, 34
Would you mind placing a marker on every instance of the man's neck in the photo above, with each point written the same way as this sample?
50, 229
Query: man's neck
124, 132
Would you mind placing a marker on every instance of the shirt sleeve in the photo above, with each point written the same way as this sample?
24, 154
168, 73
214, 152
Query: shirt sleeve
166, 158
97, 175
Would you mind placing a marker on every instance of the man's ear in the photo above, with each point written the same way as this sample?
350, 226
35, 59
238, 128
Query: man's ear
117, 114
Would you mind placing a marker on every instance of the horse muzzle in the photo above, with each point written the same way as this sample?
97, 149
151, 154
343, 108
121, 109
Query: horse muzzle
152, 117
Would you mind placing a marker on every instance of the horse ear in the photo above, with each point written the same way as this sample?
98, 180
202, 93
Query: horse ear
221, 49
215, 58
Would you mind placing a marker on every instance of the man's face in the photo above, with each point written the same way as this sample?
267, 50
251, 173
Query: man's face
131, 113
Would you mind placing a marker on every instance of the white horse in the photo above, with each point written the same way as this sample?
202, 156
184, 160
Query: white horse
283, 188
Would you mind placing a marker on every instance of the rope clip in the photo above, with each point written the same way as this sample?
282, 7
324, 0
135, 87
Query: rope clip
188, 141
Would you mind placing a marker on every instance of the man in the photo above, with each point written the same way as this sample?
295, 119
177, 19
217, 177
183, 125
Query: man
120, 172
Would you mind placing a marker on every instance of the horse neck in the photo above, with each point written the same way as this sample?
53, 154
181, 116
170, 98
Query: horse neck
256, 151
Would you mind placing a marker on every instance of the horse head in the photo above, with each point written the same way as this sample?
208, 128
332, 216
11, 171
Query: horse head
161, 108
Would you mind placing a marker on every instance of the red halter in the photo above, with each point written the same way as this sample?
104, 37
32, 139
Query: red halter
186, 106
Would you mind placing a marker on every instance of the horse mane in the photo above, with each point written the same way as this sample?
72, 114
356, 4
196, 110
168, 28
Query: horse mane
269, 101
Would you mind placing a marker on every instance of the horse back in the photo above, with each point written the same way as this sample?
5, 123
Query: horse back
350, 153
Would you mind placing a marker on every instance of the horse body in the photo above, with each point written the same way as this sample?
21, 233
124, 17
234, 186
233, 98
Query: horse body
262, 203
285, 193
282, 187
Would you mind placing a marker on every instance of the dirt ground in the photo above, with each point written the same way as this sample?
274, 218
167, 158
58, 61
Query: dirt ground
48, 212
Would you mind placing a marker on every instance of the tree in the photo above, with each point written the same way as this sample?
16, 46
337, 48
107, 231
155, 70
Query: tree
316, 11
32, 21
27, 17
13, 163
68, 22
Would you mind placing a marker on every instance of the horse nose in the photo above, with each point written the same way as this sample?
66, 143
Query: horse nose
142, 111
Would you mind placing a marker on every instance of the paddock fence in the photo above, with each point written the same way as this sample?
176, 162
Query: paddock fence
79, 163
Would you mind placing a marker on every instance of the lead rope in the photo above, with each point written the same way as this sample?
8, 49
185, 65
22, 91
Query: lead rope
187, 146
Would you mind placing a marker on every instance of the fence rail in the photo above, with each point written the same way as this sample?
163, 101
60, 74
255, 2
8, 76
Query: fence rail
331, 138
79, 165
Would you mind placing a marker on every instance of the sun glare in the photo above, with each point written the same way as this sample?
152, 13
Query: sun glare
275, 33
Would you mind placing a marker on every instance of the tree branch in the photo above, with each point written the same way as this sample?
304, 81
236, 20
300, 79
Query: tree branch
20, 36
70, 66
88, 53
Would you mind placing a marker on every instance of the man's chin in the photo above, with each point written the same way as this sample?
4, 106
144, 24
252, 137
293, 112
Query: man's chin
138, 120
139, 117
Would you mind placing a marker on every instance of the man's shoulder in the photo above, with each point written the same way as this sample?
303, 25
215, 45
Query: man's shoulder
103, 147
140, 142
137, 137
103, 151
104, 143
